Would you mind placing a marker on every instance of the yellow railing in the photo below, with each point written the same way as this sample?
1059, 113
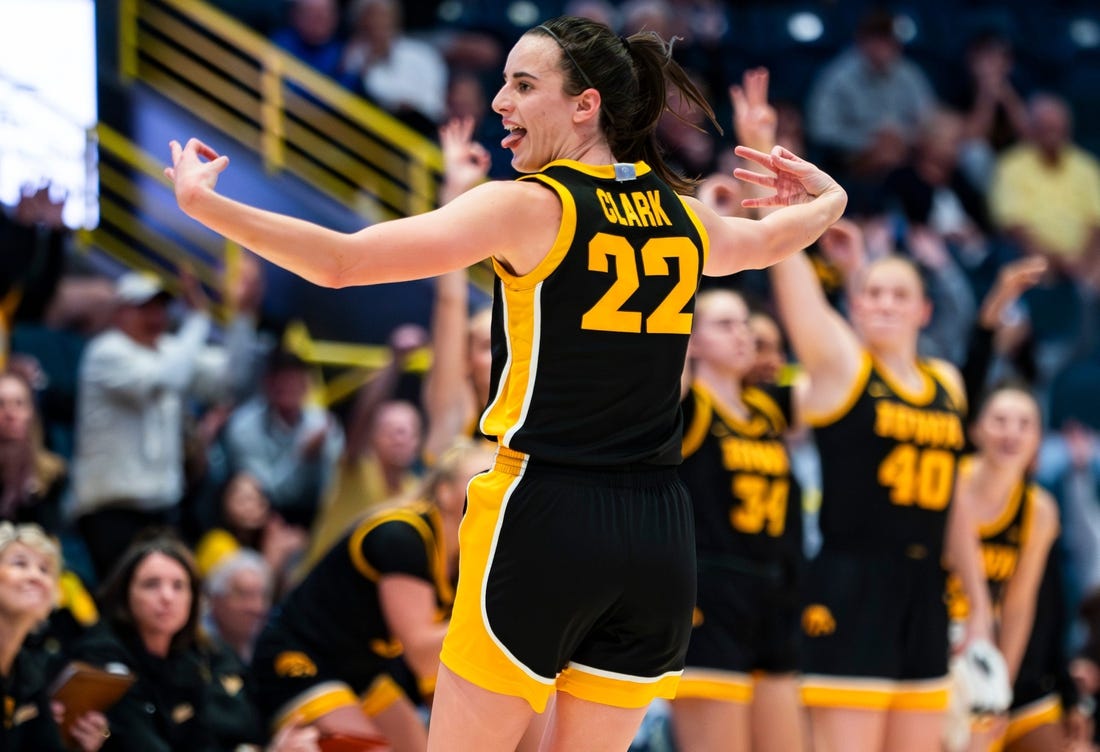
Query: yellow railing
133, 232
136, 233
298, 120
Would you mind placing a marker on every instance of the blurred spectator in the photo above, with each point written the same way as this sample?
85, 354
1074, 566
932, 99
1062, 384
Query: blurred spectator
1046, 193
383, 591
466, 98
133, 382
648, 15
33, 239
682, 130
931, 191
384, 440
597, 10
403, 75
247, 522
151, 604
1046, 199
31, 478
238, 595
771, 350
30, 563
995, 343
312, 35
1069, 467
290, 445
864, 109
994, 112
456, 389
73, 618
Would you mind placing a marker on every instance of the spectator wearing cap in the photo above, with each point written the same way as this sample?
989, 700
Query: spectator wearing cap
133, 384
284, 441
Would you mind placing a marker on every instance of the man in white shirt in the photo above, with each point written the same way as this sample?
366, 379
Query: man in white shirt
132, 386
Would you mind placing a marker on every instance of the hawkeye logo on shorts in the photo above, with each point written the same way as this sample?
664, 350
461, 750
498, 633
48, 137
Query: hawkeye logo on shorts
295, 665
696, 617
386, 648
818, 621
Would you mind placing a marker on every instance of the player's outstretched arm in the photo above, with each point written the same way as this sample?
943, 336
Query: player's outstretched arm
491, 219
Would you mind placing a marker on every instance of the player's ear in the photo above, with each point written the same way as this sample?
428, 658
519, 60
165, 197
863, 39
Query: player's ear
588, 105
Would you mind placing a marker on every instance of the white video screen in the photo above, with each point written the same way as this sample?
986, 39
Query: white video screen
48, 104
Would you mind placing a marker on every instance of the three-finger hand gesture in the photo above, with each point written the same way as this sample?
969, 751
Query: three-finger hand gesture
465, 161
795, 181
754, 119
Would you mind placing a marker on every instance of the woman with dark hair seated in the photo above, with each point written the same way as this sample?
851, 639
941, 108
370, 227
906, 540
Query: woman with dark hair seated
151, 604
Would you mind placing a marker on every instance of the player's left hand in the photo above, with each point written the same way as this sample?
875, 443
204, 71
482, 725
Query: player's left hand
794, 180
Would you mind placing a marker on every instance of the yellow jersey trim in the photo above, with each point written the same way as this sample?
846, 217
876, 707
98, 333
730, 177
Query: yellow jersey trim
920, 398
766, 404
725, 686
437, 554
1045, 710
696, 433
522, 310
315, 703
863, 375
626, 692
876, 694
704, 238
380, 695
566, 231
939, 370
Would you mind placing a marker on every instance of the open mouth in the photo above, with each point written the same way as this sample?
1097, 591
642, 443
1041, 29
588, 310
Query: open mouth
515, 135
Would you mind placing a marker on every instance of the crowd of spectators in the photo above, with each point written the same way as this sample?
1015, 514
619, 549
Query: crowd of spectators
123, 406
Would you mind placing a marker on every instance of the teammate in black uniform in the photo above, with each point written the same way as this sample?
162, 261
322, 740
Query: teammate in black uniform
598, 260
739, 682
888, 427
384, 590
1018, 522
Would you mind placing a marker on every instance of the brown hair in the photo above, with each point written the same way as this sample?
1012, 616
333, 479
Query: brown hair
900, 260
45, 467
632, 75
114, 596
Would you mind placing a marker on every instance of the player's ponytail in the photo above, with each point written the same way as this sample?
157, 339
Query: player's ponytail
632, 75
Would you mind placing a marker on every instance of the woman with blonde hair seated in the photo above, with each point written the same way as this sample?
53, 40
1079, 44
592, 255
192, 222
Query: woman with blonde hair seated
30, 563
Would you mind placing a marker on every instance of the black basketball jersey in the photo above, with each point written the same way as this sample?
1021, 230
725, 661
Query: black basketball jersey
888, 462
588, 347
336, 609
1002, 541
739, 475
